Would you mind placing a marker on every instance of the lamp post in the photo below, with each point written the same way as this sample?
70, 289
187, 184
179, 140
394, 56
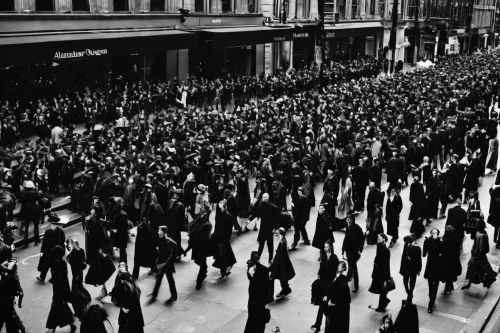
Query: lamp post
321, 26
392, 40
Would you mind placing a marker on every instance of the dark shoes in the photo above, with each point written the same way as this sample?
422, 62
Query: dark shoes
284, 293
467, 286
315, 329
198, 286
306, 243
40, 279
172, 299
293, 247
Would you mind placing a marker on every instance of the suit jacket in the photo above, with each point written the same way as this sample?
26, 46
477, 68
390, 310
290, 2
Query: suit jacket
394, 169
120, 223
338, 293
457, 217
269, 215
411, 260
167, 252
258, 289
302, 209
328, 267
353, 241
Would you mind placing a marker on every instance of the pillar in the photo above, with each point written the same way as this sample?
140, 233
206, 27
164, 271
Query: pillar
291, 55
260, 63
105, 69
183, 64
171, 64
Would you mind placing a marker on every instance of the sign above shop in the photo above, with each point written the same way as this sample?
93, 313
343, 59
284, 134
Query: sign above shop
330, 35
80, 54
301, 35
279, 39
216, 21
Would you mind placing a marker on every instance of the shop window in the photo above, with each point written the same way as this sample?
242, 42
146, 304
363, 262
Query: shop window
341, 8
81, 5
7, 6
157, 5
45, 6
120, 5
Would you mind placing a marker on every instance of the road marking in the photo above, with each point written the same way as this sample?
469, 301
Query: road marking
446, 315
36, 255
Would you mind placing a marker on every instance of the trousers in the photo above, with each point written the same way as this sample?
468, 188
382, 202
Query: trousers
270, 246
171, 282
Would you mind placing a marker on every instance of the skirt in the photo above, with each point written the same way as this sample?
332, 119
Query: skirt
80, 297
224, 256
100, 271
60, 315
479, 271
417, 227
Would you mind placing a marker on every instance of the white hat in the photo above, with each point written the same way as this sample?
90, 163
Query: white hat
29, 185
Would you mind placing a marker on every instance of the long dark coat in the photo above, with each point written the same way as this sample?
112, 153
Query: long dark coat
457, 217
381, 268
126, 296
282, 268
417, 199
120, 223
328, 267
80, 296
392, 210
411, 260
200, 230
176, 219
323, 231
223, 256
434, 251
60, 314
96, 237
146, 243
452, 267
376, 226
338, 293
432, 192
243, 194
156, 215
394, 169
51, 238
269, 217
258, 293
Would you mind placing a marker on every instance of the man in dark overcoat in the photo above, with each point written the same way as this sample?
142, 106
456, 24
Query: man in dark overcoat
269, 216
119, 229
258, 295
301, 212
338, 303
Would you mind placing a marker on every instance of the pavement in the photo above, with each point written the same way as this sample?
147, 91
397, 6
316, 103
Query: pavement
220, 306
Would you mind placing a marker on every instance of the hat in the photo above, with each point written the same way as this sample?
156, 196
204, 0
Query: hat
282, 231
119, 201
53, 217
202, 188
29, 185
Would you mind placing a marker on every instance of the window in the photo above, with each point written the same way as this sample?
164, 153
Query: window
354, 9
7, 6
413, 7
381, 8
81, 6
302, 9
120, 5
245, 6
44, 6
226, 6
157, 5
341, 8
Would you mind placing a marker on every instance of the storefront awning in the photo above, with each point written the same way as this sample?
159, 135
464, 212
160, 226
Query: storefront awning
15, 50
354, 29
229, 37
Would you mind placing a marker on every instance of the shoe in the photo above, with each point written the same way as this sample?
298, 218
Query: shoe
444, 293
429, 310
239, 233
498, 246
391, 245
25, 246
306, 243
38, 243
442, 217
280, 294
315, 329
255, 228
172, 299
40, 279
288, 292
270, 300
355, 290
198, 286
467, 286
293, 247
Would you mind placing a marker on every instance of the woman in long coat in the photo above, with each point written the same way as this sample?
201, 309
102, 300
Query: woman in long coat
479, 269
392, 210
492, 159
281, 267
375, 228
345, 199
126, 295
60, 314
323, 230
199, 231
417, 210
338, 303
434, 251
76, 259
381, 272
97, 244
224, 258
146, 243
53, 236
452, 268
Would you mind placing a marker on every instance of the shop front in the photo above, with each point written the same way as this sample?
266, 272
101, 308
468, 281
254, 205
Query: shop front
304, 42
240, 50
95, 58
352, 41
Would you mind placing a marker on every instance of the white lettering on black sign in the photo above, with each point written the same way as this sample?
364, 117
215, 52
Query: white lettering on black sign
80, 54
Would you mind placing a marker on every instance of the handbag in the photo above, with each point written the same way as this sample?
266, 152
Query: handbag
388, 285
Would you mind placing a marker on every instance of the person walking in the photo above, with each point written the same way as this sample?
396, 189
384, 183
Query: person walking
381, 273
323, 231
457, 218
479, 269
281, 266
301, 211
393, 208
269, 217
327, 272
199, 231
494, 220
432, 191
31, 201
337, 303
76, 259
411, 265
93, 320
387, 325
176, 217
375, 226
452, 267
352, 247
434, 251
417, 210
167, 252
258, 294
60, 314
119, 229
224, 258
126, 294
146, 244
53, 236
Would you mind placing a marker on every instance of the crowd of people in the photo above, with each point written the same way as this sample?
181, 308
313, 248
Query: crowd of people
165, 157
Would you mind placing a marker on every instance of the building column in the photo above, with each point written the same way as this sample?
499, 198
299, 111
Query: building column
183, 64
171, 64
260, 64
105, 74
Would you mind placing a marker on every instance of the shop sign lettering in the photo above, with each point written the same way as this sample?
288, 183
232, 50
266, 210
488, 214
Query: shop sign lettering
279, 39
330, 35
80, 54
216, 21
301, 35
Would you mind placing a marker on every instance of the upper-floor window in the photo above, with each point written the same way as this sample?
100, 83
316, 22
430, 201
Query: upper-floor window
341, 8
381, 8
44, 6
245, 6
157, 5
413, 8
120, 5
81, 5
354, 9
7, 6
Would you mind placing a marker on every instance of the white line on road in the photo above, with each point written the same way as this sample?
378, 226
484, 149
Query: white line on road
36, 255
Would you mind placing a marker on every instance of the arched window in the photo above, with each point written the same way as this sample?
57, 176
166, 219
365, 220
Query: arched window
7, 6
81, 6
120, 5
45, 6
